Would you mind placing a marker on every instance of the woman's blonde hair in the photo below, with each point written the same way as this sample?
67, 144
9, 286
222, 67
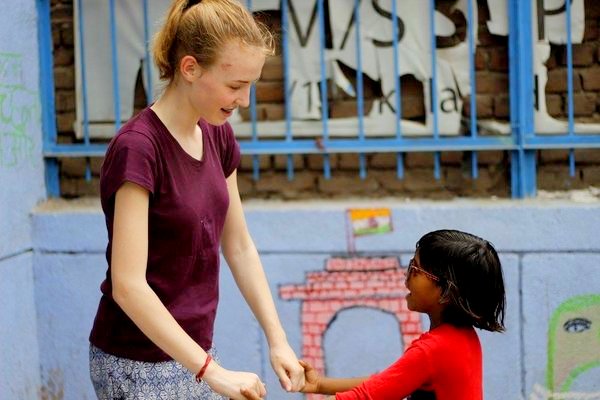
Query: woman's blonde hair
201, 29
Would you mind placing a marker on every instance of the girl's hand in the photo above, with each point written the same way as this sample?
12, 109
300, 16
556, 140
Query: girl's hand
249, 394
236, 385
311, 377
286, 366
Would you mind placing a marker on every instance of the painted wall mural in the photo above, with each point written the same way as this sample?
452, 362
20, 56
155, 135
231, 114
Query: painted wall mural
348, 282
354, 281
19, 113
573, 349
378, 283
347, 309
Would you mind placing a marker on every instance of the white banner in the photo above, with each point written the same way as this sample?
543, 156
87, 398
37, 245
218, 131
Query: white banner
414, 58
549, 27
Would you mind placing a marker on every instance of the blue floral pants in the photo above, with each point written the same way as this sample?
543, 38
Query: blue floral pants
116, 378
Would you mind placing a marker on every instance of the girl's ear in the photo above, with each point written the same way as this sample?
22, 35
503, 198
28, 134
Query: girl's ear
189, 68
445, 296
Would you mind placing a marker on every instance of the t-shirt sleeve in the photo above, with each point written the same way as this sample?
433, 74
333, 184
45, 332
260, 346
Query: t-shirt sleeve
131, 157
405, 376
229, 150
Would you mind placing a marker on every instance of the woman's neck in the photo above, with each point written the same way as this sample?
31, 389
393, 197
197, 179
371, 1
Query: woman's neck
175, 111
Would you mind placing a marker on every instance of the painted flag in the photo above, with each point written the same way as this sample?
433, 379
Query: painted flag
370, 221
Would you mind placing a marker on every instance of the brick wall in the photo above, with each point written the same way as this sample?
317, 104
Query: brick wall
492, 102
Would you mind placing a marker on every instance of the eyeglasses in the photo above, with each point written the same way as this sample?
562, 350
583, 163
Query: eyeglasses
412, 266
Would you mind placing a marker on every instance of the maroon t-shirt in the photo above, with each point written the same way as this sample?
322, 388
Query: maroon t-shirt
187, 209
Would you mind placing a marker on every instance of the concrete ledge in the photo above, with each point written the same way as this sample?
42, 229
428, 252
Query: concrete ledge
520, 226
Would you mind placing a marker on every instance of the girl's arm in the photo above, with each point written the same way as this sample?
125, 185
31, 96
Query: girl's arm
403, 377
243, 260
336, 385
399, 380
137, 299
324, 385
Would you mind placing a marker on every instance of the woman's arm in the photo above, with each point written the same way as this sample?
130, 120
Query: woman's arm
137, 299
243, 260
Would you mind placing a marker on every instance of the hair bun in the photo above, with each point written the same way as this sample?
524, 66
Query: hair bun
191, 3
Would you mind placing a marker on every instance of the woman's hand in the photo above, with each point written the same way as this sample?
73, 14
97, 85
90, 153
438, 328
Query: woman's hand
236, 385
311, 378
286, 366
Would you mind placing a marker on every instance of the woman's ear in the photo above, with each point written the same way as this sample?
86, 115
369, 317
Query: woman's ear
189, 68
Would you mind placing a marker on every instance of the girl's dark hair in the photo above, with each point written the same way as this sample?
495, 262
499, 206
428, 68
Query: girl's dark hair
201, 29
470, 276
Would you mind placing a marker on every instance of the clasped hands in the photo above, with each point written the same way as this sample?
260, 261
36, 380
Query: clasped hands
307, 383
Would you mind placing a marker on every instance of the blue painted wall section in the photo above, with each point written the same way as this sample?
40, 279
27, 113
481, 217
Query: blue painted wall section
548, 249
21, 188
19, 360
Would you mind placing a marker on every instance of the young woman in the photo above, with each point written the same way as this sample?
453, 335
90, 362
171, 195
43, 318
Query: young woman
170, 198
456, 279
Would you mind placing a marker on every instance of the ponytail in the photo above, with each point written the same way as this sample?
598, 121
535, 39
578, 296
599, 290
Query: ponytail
164, 40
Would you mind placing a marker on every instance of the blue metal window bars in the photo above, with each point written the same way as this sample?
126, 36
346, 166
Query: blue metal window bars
522, 143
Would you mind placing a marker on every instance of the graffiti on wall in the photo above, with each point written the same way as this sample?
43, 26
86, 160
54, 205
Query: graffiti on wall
19, 113
573, 351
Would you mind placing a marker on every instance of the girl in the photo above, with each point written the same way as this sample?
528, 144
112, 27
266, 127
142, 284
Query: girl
456, 279
170, 198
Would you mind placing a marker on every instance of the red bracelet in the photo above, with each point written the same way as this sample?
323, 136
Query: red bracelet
200, 373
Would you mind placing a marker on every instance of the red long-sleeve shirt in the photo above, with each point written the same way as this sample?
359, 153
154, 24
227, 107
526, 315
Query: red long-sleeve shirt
445, 362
